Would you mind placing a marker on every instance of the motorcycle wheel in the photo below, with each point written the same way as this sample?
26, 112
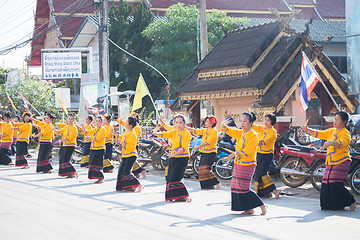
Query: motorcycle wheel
317, 175
156, 163
294, 164
76, 157
224, 173
355, 181
143, 153
196, 162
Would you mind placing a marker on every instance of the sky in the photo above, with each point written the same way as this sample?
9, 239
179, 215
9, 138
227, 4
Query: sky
17, 25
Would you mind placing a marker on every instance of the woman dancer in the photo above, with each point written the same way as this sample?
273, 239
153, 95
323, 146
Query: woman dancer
86, 148
69, 133
242, 197
23, 140
14, 121
264, 185
46, 135
125, 179
333, 195
208, 149
108, 167
167, 127
6, 141
97, 148
137, 169
179, 157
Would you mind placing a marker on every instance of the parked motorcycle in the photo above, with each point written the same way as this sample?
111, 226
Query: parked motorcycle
297, 164
353, 177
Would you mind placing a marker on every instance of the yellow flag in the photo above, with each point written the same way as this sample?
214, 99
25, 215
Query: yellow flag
62, 105
10, 100
141, 91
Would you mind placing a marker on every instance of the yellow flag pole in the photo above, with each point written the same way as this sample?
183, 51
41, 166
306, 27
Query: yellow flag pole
12, 103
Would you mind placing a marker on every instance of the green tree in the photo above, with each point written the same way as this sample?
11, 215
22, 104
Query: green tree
126, 32
37, 92
174, 49
3, 72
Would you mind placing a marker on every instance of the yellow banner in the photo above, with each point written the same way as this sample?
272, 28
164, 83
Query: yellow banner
141, 91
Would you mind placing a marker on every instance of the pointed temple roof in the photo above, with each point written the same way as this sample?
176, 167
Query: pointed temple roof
262, 61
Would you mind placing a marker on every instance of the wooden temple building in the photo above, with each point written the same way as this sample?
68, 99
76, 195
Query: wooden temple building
258, 69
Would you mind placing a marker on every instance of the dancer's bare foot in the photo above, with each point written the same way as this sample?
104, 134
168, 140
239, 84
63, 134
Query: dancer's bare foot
218, 186
139, 188
251, 211
50, 171
188, 199
99, 181
263, 209
353, 206
143, 173
276, 193
26, 167
10, 164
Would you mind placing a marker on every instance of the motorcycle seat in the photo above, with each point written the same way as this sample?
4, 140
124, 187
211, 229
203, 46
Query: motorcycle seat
227, 146
301, 148
145, 141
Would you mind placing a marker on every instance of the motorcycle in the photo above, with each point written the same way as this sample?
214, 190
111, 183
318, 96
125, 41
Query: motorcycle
158, 156
298, 162
353, 177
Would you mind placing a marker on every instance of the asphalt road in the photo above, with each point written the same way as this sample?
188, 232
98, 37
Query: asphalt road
45, 206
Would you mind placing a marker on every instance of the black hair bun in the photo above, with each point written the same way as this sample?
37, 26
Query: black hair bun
253, 117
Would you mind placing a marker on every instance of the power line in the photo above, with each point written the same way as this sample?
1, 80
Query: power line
5, 19
139, 59
81, 6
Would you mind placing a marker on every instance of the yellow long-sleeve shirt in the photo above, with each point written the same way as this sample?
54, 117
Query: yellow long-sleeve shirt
98, 141
109, 135
47, 134
137, 128
69, 135
7, 132
130, 141
334, 155
268, 136
209, 137
246, 144
86, 132
24, 131
179, 140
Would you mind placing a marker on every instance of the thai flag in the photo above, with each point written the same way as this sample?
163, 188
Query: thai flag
24, 102
309, 79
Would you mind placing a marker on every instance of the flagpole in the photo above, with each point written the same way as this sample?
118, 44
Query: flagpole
322, 82
152, 100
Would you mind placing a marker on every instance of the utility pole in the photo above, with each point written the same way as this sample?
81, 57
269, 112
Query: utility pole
204, 44
203, 29
103, 41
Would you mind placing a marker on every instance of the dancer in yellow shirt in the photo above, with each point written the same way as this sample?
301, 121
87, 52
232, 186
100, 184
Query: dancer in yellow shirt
333, 195
264, 185
69, 135
137, 169
208, 150
86, 148
6, 140
242, 197
179, 157
46, 134
108, 167
23, 140
97, 148
125, 179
